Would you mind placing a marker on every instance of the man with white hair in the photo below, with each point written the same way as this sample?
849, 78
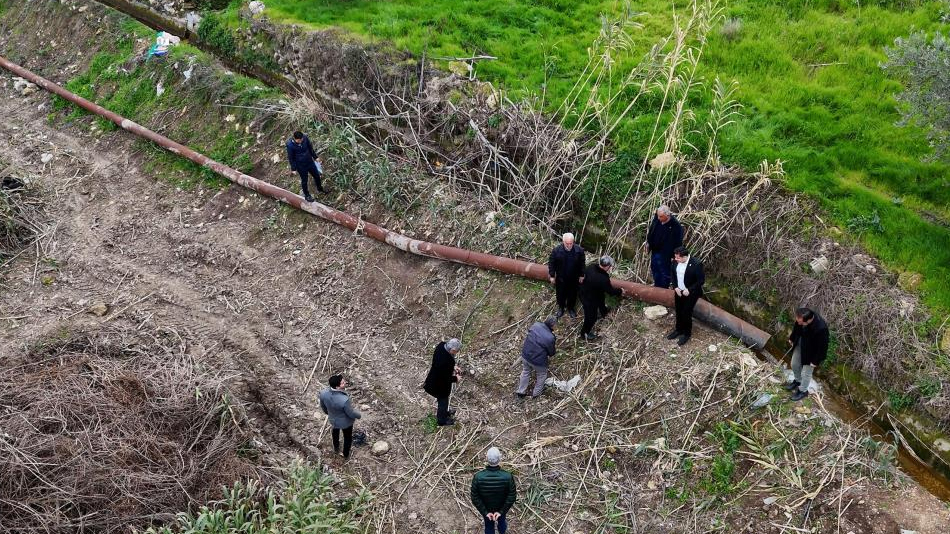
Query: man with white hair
664, 235
566, 272
442, 374
596, 285
494, 493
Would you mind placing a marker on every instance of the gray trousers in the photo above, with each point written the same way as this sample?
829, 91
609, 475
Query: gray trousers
541, 373
802, 372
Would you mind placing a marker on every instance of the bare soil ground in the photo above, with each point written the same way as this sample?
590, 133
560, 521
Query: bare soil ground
278, 301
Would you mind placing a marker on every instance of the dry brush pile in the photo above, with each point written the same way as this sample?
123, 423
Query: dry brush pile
104, 431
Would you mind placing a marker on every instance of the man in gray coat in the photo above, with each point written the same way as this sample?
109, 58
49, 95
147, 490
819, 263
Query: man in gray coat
535, 355
336, 404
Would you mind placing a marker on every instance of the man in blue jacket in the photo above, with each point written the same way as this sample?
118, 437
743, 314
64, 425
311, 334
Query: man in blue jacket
664, 236
536, 355
304, 161
336, 404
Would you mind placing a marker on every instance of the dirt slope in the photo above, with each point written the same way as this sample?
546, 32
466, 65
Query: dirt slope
275, 298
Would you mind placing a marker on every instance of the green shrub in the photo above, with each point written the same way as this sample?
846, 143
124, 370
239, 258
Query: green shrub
213, 32
301, 503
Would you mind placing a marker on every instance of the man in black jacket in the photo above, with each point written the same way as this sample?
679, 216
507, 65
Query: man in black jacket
442, 374
810, 339
687, 283
565, 271
303, 159
494, 493
664, 235
595, 286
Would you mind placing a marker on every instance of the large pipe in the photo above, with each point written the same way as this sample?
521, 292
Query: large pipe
705, 311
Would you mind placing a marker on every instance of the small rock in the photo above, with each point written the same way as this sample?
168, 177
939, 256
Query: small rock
655, 312
413, 516
713, 348
663, 160
380, 447
99, 309
46, 158
230, 118
28, 90
942, 445
870, 269
769, 501
819, 264
903, 531
909, 280
256, 7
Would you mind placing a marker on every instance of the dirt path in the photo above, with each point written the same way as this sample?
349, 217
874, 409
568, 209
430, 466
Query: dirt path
275, 298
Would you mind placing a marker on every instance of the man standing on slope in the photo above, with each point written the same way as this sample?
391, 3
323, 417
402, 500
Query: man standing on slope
536, 353
304, 161
810, 338
566, 272
664, 235
596, 285
494, 493
336, 404
442, 374
687, 288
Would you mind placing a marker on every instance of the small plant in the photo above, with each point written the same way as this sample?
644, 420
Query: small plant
898, 400
215, 33
732, 29
864, 223
430, 424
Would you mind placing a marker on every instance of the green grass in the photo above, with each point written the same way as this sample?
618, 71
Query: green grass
809, 78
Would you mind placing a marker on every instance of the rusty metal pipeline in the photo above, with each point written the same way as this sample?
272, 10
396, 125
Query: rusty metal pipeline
717, 317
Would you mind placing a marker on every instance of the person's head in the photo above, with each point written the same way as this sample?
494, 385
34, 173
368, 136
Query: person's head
663, 213
804, 316
493, 456
606, 263
681, 254
453, 345
337, 382
568, 240
550, 322
298, 137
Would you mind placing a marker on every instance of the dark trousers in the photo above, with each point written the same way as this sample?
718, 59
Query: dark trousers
566, 291
502, 525
304, 171
442, 410
347, 440
592, 311
684, 313
660, 266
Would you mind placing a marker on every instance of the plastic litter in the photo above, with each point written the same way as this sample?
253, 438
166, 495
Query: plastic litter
762, 400
564, 386
163, 42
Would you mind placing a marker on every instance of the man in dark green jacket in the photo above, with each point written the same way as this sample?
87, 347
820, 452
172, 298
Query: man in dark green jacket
494, 493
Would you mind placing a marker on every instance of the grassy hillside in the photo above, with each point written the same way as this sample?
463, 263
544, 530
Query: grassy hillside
808, 74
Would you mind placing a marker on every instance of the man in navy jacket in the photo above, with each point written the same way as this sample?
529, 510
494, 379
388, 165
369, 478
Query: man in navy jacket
304, 161
565, 271
664, 235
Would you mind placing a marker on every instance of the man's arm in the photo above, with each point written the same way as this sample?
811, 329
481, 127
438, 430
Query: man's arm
350, 411
552, 263
821, 349
290, 157
313, 155
476, 495
512, 495
323, 406
700, 279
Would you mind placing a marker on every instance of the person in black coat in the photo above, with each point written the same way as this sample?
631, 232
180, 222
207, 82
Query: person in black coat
595, 287
565, 271
664, 235
303, 160
687, 284
442, 374
810, 338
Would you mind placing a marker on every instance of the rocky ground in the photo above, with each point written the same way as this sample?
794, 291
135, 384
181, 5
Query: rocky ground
653, 439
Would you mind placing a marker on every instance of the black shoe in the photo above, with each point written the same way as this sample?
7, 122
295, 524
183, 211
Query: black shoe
450, 422
572, 314
673, 335
589, 337
521, 395
799, 395
308, 198
792, 386
682, 340
559, 313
